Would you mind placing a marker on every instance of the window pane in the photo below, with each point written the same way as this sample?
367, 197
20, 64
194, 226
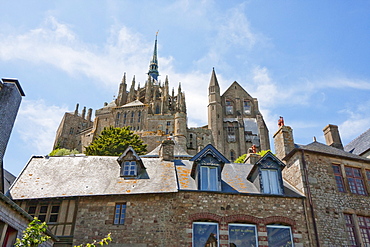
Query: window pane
120, 214
364, 223
213, 178
43, 209
53, 218
279, 236
274, 183
242, 235
205, 234
350, 229
32, 210
265, 182
270, 181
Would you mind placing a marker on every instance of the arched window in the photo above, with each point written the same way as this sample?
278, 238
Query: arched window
124, 118
117, 118
229, 107
157, 109
132, 117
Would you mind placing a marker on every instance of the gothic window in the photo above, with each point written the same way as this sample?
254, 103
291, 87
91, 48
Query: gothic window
230, 133
278, 235
120, 214
339, 178
270, 181
243, 235
138, 116
191, 136
132, 117
117, 118
157, 109
247, 107
191, 145
355, 181
229, 107
232, 155
124, 118
205, 234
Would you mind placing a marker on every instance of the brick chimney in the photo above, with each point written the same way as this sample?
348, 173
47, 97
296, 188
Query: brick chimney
332, 136
166, 152
89, 113
283, 141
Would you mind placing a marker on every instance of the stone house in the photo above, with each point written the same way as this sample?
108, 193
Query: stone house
165, 198
336, 184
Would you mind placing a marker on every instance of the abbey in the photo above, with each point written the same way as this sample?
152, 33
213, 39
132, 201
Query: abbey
155, 112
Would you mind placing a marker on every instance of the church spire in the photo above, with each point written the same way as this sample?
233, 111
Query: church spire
153, 67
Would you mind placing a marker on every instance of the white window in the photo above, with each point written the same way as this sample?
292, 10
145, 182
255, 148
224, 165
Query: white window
278, 235
209, 178
129, 168
243, 235
270, 181
205, 234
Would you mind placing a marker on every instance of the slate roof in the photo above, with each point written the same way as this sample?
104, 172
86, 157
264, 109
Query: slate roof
325, 149
45, 177
8, 180
68, 176
134, 103
360, 144
179, 152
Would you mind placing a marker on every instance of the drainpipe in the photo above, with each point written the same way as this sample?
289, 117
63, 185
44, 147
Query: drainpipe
309, 196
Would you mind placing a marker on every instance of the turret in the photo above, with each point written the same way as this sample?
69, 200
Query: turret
153, 67
76, 110
122, 93
131, 94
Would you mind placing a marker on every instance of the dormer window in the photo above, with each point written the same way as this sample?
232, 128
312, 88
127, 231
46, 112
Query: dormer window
131, 165
270, 181
209, 178
266, 175
129, 168
207, 168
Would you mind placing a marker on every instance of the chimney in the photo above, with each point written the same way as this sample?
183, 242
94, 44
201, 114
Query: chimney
283, 141
166, 152
89, 112
332, 136
252, 158
76, 110
83, 112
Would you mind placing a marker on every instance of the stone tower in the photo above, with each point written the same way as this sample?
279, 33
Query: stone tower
235, 120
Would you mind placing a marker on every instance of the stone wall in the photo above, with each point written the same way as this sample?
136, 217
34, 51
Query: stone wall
166, 219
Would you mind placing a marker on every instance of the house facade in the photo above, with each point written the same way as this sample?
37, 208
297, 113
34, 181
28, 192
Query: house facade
164, 198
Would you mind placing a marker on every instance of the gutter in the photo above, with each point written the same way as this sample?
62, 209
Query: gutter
309, 197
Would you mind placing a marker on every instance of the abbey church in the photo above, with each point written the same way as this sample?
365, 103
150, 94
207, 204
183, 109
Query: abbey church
155, 112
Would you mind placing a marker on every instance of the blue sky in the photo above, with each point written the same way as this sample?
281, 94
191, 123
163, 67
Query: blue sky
307, 61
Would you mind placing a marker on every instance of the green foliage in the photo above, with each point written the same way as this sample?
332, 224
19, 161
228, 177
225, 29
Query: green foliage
241, 159
33, 235
102, 242
114, 141
63, 152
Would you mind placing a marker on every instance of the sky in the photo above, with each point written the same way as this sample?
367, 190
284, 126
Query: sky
307, 61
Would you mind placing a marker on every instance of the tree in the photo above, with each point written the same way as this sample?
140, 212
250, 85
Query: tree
62, 152
114, 141
33, 235
242, 157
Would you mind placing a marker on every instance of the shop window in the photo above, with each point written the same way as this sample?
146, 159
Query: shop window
229, 108
339, 178
270, 181
205, 234
120, 214
355, 181
278, 235
243, 235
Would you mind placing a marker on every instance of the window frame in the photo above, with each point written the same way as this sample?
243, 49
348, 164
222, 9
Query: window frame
247, 107
270, 186
45, 216
245, 225
282, 227
338, 176
120, 216
131, 165
364, 227
355, 181
351, 230
229, 107
209, 224
206, 182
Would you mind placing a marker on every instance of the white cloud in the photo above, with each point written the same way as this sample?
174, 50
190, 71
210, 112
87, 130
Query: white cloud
37, 123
